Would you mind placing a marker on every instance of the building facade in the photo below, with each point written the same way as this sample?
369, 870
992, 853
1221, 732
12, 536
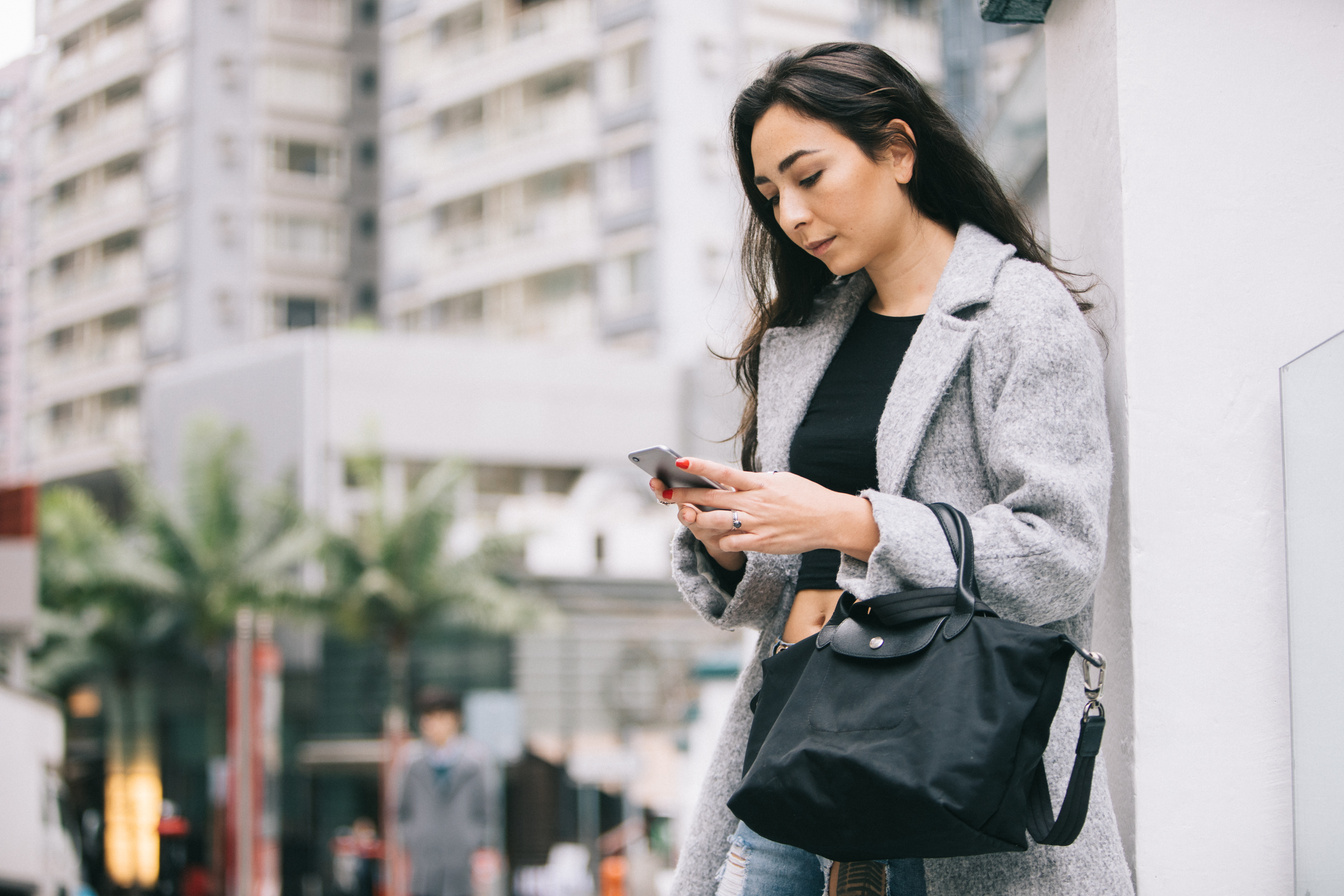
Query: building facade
14, 118
195, 186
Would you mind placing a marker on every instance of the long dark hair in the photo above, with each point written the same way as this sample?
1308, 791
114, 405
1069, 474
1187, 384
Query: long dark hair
858, 89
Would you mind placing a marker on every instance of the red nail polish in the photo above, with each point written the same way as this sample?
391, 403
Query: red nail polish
683, 462
667, 494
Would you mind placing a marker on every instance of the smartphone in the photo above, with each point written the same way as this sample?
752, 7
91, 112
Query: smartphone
660, 462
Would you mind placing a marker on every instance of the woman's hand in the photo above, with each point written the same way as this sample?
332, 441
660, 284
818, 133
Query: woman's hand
778, 513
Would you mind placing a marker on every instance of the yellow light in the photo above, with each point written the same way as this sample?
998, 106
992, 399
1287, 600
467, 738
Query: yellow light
133, 804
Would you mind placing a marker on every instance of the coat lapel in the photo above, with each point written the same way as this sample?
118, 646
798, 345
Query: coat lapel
793, 359
936, 353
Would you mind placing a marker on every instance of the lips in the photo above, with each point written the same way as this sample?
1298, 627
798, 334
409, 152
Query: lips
819, 246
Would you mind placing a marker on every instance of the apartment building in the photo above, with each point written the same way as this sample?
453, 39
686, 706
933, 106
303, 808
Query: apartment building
559, 169
196, 186
14, 98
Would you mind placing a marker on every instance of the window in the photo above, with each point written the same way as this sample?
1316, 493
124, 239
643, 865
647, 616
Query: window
60, 341
61, 415
366, 299
121, 242
459, 212
71, 43
559, 480
301, 157
313, 238
120, 320
458, 24
555, 183
63, 265
123, 16
368, 12
499, 479
368, 152
368, 224
301, 312
561, 284
121, 167
122, 91
65, 191
126, 396
629, 285
625, 74
461, 117
458, 311
368, 80
67, 118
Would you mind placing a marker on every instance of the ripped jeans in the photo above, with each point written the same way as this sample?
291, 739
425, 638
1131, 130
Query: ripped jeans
760, 867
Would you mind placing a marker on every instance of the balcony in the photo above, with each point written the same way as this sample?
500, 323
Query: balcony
538, 138
547, 237
118, 206
121, 274
99, 352
99, 62
534, 41
116, 131
83, 436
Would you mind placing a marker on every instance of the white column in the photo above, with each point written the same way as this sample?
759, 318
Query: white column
1194, 165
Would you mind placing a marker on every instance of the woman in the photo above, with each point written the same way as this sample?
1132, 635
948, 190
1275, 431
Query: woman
910, 343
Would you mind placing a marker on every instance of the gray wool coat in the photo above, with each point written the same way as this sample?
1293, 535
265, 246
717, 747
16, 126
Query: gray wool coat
997, 409
444, 822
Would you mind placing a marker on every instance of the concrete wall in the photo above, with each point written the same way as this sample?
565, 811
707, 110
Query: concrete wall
1194, 167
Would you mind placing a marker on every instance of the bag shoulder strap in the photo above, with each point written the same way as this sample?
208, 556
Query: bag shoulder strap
1044, 826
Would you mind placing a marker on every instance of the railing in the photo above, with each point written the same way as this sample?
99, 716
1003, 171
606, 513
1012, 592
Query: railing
549, 220
97, 428
132, 40
544, 122
124, 196
122, 119
122, 271
98, 352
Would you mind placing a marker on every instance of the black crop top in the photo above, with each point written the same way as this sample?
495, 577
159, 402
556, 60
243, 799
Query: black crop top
836, 444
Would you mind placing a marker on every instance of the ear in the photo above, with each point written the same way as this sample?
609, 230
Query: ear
901, 151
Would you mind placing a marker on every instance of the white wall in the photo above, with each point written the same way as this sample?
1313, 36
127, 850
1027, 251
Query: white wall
1194, 164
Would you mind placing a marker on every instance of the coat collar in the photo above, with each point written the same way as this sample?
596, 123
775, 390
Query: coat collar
793, 359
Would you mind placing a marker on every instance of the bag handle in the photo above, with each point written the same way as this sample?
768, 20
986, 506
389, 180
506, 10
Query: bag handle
1044, 826
958, 531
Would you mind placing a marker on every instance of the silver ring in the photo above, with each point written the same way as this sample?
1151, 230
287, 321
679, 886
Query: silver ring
737, 523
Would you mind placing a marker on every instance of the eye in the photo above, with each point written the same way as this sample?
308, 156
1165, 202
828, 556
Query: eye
810, 179
771, 201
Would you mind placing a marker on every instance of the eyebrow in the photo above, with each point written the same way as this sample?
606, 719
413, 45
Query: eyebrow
788, 161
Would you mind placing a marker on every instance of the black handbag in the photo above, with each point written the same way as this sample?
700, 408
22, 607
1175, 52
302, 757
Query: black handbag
912, 726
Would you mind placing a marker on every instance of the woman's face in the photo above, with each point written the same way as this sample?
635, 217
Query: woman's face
828, 196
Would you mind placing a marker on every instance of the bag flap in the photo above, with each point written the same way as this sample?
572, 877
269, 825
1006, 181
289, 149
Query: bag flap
872, 640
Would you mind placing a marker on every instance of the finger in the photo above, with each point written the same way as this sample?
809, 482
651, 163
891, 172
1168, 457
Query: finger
714, 498
720, 473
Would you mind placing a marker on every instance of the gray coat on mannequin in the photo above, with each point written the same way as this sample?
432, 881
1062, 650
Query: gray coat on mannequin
998, 409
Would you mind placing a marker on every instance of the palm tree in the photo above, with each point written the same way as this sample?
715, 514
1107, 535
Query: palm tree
392, 576
110, 615
228, 547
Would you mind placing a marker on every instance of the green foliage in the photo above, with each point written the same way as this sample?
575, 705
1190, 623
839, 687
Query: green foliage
392, 575
225, 545
107, 604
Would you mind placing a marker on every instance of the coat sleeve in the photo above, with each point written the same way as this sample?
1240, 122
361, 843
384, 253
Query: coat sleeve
757, 600
1046, 452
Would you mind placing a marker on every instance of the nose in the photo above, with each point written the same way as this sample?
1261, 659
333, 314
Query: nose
792, 212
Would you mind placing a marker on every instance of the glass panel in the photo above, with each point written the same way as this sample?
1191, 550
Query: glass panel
1312, 390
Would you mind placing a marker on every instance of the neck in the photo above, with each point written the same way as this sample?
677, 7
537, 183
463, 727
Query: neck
907, 275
